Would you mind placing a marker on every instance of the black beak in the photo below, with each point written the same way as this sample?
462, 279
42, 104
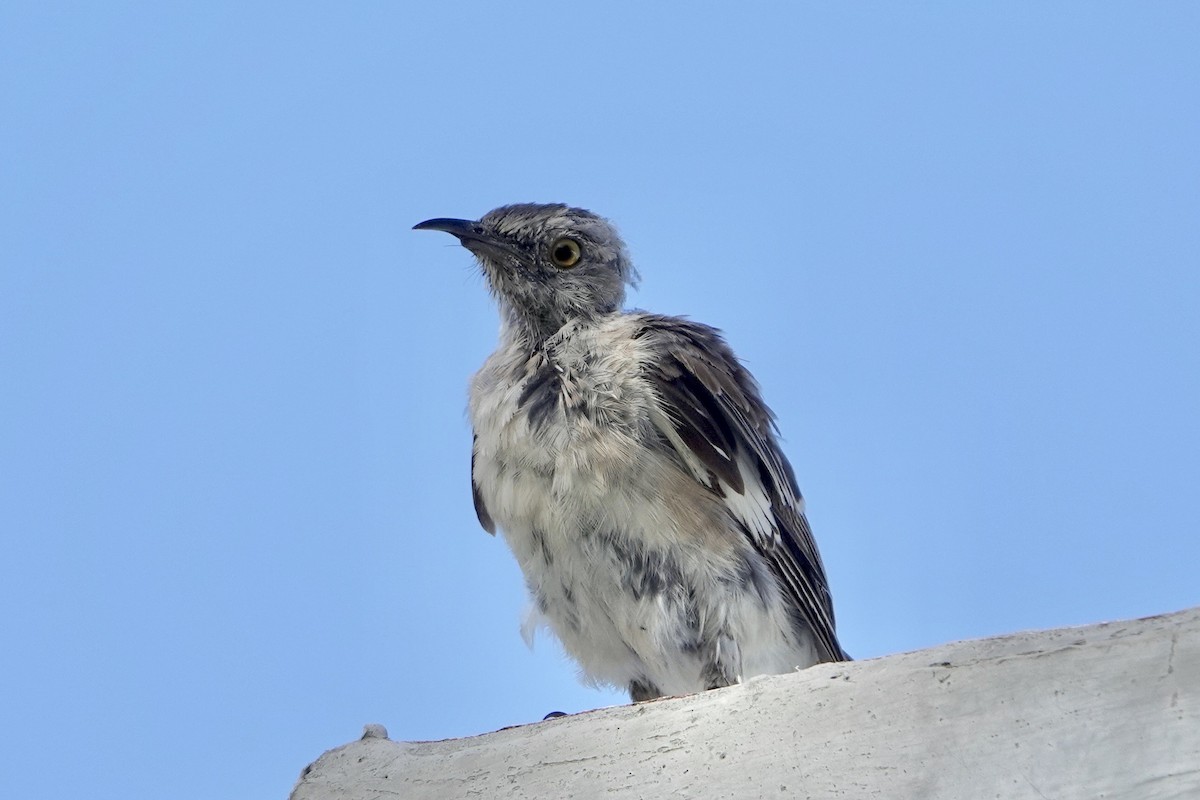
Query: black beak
471, 235
464, 229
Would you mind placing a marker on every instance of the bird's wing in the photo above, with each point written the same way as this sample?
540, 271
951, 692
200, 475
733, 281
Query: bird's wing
713, 415
485, 519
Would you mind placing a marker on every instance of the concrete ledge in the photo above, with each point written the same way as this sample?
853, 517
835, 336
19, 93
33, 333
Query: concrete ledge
1110, 710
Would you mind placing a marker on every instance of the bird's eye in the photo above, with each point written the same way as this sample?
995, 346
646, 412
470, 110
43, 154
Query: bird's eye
565, 253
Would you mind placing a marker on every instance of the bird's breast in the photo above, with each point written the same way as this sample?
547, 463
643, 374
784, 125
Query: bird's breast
564, 440
573, 414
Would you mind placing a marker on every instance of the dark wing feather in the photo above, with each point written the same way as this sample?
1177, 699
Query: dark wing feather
485, 519
714, 409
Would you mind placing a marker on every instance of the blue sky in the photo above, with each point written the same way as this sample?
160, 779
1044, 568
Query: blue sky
957, 243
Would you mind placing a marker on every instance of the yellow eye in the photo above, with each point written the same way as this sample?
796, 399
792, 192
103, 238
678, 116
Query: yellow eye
565, 253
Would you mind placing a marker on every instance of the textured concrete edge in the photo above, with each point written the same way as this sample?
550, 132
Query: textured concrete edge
370, 763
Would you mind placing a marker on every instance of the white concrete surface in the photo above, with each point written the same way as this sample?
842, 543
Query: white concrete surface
1110, 710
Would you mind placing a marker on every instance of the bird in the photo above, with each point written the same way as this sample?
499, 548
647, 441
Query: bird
632, 467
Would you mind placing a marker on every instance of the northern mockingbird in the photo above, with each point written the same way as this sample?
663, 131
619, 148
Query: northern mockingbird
634, 471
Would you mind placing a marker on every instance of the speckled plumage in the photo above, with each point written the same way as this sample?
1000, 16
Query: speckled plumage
633, 469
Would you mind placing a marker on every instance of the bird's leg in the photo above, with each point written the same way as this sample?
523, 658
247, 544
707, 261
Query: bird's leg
725, 667
640, 692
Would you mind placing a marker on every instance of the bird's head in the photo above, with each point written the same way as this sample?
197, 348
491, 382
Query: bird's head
547, 265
